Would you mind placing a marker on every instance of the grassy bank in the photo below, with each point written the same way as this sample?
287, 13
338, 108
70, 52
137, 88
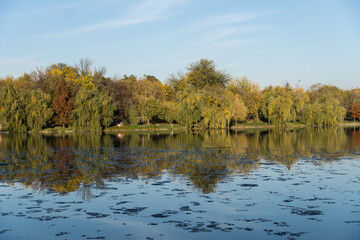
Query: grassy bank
177, 127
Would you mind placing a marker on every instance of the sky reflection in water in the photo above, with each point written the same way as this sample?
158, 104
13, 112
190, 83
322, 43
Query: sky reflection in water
294, 184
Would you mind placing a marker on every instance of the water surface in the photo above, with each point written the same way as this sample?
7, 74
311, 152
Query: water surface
288, 184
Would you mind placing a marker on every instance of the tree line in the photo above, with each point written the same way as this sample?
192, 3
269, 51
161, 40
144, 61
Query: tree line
83, 97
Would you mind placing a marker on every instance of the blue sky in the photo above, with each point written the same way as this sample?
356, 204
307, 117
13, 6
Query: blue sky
272, 42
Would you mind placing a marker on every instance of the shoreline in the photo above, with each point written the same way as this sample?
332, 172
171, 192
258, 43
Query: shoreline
245, 127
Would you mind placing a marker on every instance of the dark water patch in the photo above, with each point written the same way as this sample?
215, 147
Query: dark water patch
355, 221
315, 219
96, 215
47, 218
33, 211
20, 214
185, 208
281, 224
316, 199
165, 214
153, 224
178, 190
39, 201
160, 215
128, 211
312, 207
6, 214
195, 203
304, 212
57, 210
161, 183
27, 196
122, 202
248, 185
72, 202
61, 234
4, 231
256, 220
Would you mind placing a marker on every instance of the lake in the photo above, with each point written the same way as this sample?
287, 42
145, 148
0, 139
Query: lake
255, 184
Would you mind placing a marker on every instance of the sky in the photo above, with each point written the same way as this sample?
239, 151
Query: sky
271, 42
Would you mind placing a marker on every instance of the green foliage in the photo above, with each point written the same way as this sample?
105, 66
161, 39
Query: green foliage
171, 112
204, 73
240, 110
282, 105
205, 108
250, 94
325, 111
93, 110
203, 97
276, 105
38, 110
150, 109
12, 109
133, 115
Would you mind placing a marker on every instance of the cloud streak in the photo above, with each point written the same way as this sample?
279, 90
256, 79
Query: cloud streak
148, 11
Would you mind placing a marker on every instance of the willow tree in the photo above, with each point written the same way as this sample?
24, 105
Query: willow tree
324, 111
249, 92
240, 111
93, 110
12, 109
38, 110
171, 112
151, 109
276, 105
202, 97
206, 109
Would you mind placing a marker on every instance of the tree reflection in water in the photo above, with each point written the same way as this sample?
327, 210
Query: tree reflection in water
78, 162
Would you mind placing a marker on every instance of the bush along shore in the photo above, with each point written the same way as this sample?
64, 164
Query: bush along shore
62, 97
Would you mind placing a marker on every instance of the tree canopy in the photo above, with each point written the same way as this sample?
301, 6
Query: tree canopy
83, 97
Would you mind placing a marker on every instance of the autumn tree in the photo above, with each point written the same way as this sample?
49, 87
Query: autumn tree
49, 80
355, 112
62, 104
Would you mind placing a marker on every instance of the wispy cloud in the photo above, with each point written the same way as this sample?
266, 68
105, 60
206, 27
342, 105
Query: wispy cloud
232, 43
147, 11
217, 33
221, 20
